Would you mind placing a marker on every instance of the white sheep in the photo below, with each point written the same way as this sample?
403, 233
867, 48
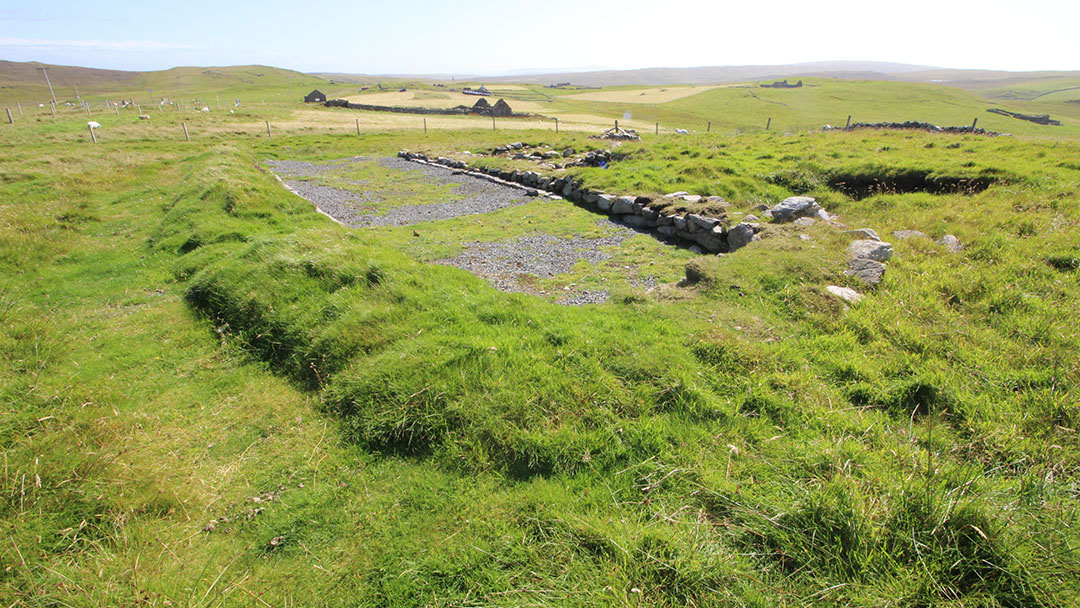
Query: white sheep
93, 124
205, 109
681, 131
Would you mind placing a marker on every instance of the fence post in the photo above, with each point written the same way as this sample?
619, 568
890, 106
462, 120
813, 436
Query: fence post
88, 110
357, 126
556, 125
186, 136
709, 127
848, 125
20, 108
492, 122
768, 124
658, 128
976, 121
425, 125
52, 107
10, 120
268, 129
92, 136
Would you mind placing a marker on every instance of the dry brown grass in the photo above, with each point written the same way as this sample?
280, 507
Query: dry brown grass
650, 95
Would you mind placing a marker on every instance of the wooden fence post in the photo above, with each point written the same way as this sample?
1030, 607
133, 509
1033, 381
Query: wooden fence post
425, 125
20, 108
848, 125
976, 121
658, 128
768, 124
92, 136
10, 120
88, 111
556, 125
709, 127
268, 129
186, 136
357, 126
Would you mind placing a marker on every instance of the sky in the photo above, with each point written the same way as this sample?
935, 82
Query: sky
509, 36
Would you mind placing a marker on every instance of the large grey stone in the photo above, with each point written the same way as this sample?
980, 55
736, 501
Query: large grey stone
702, 222
623, 205
794, 207
666, 230
870, 250
951, 243
679, 222
691, 198
805, 222
637, 221
712, 240
739, 236
869, 271
604, 201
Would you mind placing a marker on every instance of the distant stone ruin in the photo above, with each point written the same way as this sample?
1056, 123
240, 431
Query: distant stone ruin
500, 108
782, 84
1042, 119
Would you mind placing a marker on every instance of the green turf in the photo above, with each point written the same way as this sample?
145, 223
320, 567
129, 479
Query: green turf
180, 336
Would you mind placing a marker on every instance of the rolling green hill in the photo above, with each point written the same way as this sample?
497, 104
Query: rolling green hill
24, 82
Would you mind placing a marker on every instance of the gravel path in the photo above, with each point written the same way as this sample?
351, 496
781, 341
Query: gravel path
351, 208
506, 263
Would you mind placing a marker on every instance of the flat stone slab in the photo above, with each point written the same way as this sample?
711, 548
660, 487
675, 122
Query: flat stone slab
871, 250
869, 271
794, 207
846, 294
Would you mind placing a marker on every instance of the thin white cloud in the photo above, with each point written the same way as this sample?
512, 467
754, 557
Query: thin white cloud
105, 45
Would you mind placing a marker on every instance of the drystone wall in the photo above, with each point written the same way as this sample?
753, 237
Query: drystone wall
711, 234
455, 111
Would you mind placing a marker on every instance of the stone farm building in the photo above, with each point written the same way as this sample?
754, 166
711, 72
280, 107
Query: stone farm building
501, 108
315, 96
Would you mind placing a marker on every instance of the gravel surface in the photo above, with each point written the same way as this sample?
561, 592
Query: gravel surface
508, 264
299, 168
353, 208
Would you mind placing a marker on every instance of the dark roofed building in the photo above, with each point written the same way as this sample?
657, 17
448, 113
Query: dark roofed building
315, 96
501, 108
482, 106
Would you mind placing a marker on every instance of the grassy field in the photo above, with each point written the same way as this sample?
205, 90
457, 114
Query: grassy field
210, 394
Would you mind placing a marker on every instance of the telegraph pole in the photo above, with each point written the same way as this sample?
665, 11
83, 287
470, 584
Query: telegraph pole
46, 73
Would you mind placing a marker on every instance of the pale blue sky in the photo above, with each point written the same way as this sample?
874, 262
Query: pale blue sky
483, 37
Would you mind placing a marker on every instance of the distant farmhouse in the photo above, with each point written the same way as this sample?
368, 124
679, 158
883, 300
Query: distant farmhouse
782, 84
481, 91
315, 96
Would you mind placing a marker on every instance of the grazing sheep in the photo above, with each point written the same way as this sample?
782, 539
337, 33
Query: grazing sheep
144, 117
681, 131
205, 110
93, 124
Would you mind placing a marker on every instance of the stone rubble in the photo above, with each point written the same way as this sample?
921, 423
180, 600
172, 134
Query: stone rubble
707, 233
